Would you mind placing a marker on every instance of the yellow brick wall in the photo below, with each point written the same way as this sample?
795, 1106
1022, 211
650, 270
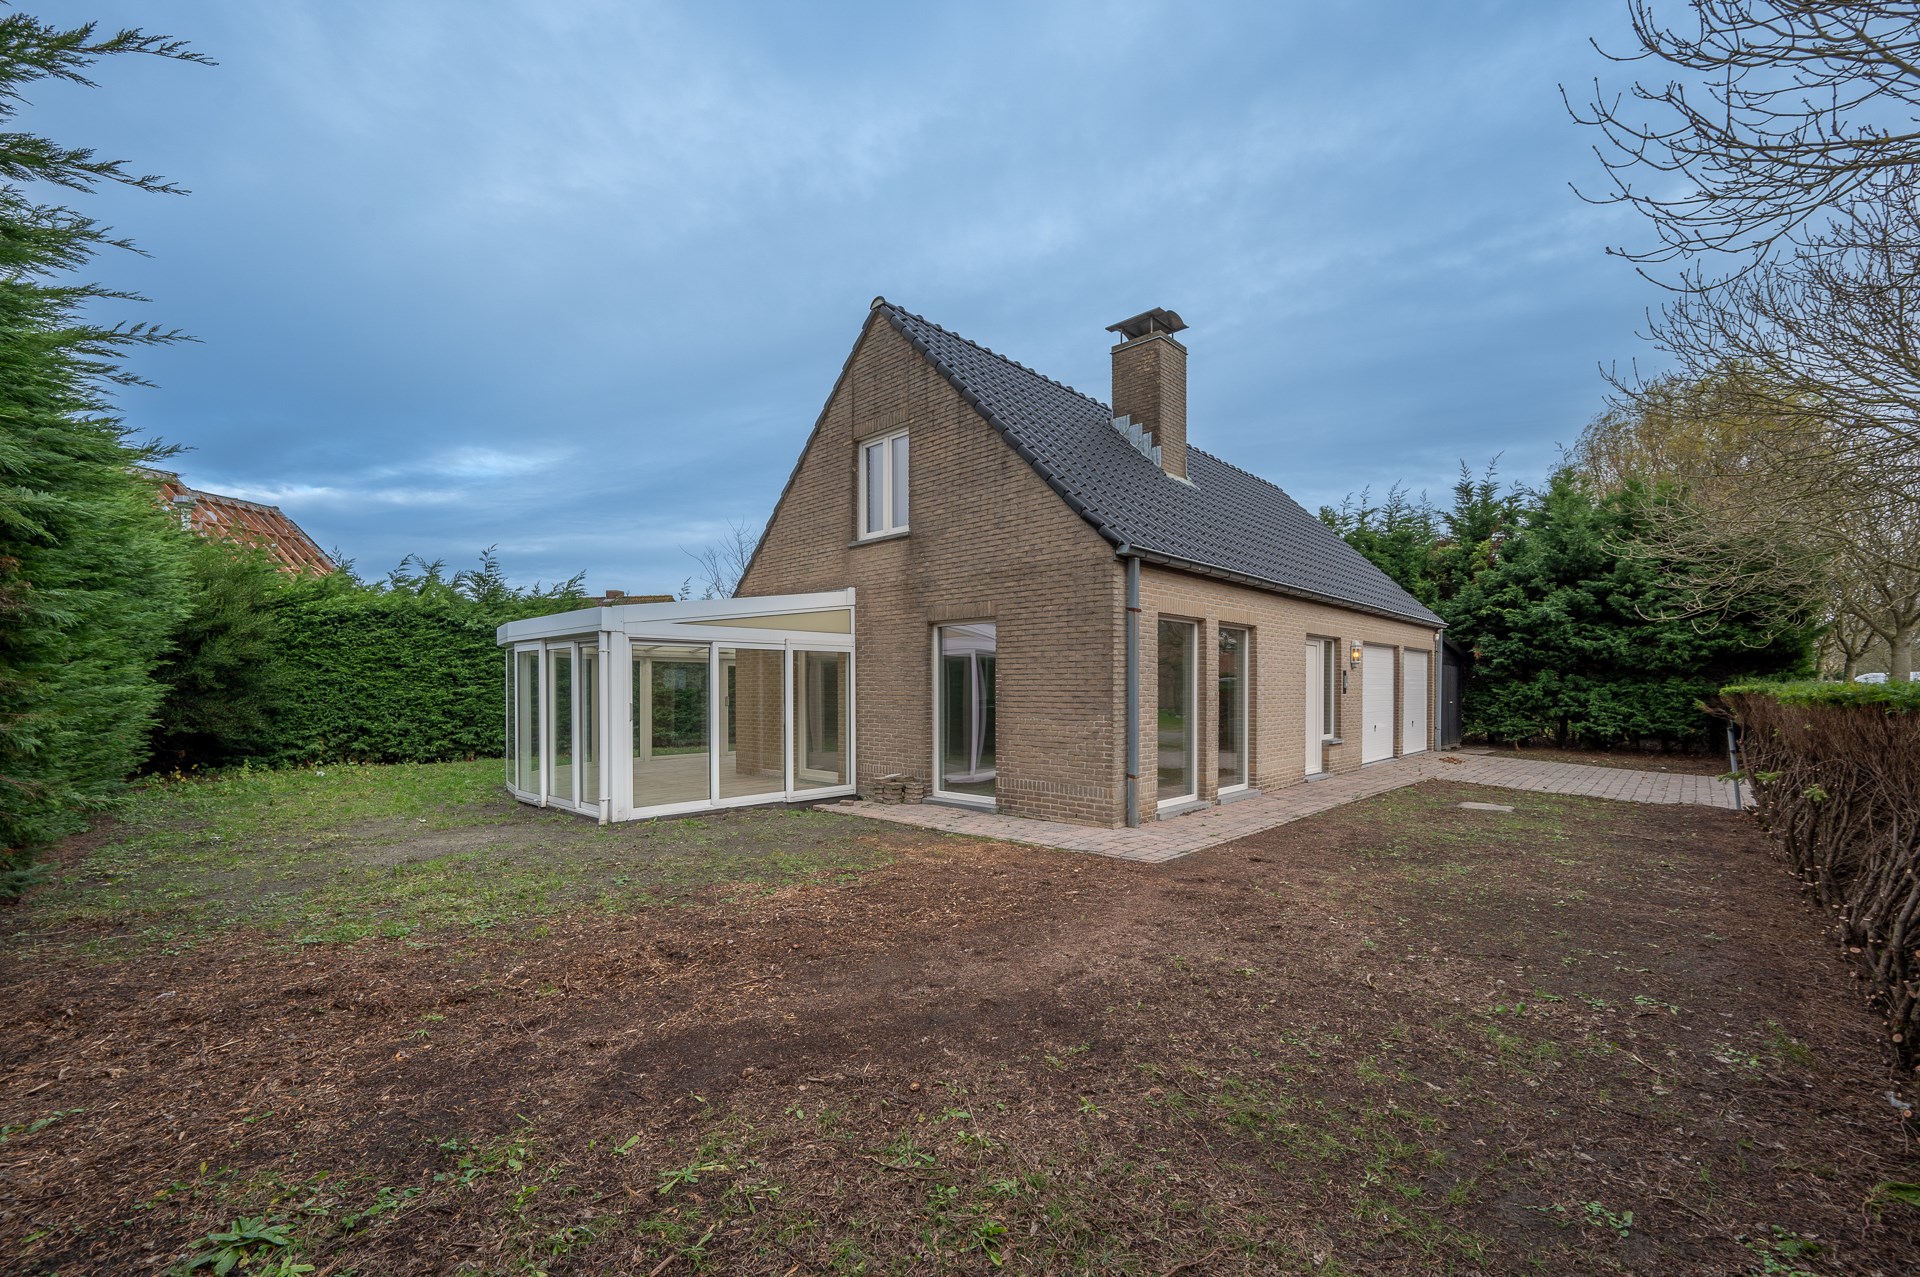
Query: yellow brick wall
989, 541
1277, 697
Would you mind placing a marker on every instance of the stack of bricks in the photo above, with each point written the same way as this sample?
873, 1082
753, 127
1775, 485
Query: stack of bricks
898, 787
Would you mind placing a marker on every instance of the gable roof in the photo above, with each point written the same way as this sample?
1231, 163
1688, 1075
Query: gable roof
1224, 522
224, 518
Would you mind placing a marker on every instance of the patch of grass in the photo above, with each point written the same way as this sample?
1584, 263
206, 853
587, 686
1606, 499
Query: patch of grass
252, 1245
331, 855
37, 1125
1789, 1048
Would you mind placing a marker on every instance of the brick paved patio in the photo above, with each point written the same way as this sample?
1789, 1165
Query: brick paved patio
1163, 840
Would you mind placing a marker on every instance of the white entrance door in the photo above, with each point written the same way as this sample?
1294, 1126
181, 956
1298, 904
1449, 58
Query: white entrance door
1413, 700
1316, 705
1376, 703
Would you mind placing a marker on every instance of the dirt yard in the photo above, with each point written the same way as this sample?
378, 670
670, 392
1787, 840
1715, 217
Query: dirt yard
1399, 1038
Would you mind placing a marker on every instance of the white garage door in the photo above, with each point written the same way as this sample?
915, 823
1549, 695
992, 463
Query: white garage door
1413, 703
1376, 703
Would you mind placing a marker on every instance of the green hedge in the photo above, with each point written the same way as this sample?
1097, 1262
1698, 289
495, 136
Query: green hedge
1897, 697
381, 679
385, 676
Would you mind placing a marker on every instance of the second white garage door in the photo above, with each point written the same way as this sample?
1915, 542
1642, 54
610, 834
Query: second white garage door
1413, 698
1376, 703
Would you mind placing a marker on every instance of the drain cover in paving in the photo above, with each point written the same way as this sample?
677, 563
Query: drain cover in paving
1485, 807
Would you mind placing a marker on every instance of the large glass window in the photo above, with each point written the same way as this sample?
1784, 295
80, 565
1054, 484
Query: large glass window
967, 759
1234, 653
670, 713
1177, 669
755, 764
883, 486
526, 722
561, 784
820, 715
589, 721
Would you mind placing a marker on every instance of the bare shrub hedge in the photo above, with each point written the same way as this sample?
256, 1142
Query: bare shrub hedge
1836, 773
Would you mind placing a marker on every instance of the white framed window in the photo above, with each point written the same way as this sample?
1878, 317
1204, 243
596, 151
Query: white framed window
966, 764
883, 485
1179, 690
1231, 722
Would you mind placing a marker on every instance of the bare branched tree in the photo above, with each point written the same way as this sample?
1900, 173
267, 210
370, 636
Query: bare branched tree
1755, 508
1774, 115
1844, 642
723, 563
1829, 331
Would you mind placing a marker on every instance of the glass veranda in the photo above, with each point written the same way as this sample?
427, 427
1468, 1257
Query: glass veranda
660, 709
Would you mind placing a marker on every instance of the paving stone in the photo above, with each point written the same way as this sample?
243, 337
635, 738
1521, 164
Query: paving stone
1160, 841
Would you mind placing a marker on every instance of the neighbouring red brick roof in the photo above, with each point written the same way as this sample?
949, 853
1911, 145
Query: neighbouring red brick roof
244, 522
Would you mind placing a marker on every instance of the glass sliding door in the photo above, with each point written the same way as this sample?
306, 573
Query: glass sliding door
1178, 668
587, 724
560, 681
965, 748
1234, 658
755, 763
820, 687
670, 720
526, 722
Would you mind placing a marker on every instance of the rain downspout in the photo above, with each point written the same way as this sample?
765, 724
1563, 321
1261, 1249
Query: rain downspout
1133, 685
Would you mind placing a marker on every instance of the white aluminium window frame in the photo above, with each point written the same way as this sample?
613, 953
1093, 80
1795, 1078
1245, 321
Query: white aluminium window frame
892, 499
538, 794
974, 709
543, 726
619, 760
1329, 680
1241, 709
1193, 718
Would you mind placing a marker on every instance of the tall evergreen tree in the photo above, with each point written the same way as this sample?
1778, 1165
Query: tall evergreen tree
1575, 642
90, 573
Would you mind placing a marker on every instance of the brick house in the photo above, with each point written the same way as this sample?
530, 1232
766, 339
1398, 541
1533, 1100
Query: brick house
1017, 548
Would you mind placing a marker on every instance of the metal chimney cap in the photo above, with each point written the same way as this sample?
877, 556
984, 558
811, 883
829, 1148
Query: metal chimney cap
1157, 320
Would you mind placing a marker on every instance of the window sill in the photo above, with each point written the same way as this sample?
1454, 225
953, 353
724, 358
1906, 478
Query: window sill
878, 537
964, 804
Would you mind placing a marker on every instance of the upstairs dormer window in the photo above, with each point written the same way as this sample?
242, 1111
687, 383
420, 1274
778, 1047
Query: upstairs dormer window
883, 485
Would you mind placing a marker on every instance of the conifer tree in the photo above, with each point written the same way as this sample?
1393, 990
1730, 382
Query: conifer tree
90, 572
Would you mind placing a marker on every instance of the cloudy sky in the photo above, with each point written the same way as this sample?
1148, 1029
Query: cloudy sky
575, 278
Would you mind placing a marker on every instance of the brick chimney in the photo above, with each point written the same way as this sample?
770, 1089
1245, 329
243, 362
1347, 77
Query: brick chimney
1150, 385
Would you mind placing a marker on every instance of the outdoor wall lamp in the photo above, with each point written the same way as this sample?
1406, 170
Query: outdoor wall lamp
1353, 655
